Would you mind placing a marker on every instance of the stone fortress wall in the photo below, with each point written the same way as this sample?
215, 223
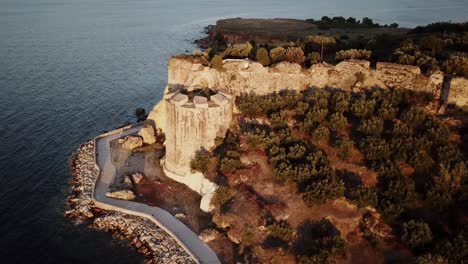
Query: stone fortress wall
193, 125
241, 76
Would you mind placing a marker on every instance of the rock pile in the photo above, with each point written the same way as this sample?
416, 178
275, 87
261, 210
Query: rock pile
132, 142
146, 236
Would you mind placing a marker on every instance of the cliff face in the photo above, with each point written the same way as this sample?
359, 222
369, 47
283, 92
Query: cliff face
193, 125
240, 76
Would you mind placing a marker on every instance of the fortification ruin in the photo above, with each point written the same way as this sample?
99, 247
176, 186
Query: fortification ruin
194, 118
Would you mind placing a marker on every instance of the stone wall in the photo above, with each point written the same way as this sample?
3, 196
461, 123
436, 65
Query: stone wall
458, 94
193, 125
241, 76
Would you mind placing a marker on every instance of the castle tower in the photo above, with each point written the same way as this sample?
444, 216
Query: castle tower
193, 121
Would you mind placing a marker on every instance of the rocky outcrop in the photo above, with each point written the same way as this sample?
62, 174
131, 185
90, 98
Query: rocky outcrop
132, 142
137, 177
241, 76
126, 195
147, 134
458, 94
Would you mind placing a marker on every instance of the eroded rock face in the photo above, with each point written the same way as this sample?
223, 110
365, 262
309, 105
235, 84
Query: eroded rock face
127, 195
147, 133
132, 142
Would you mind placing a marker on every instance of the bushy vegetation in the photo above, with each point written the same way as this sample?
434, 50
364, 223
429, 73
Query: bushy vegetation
262, 57
294, 55
238, 51
217, 62
200, 162
319, 242
390, 128
357, 54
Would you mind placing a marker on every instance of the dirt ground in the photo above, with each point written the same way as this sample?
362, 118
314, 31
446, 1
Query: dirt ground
157, 189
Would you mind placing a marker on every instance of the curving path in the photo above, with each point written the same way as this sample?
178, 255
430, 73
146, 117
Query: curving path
197, 249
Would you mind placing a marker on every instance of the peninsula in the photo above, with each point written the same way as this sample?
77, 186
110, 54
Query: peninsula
293, 141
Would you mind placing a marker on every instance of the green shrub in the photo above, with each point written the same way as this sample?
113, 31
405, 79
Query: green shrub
322, 190
262, 57
416, 234
217, 62
373, 126
353, 54
313, 58
431, 259
200, 163
321, 133
294, 55
457, 65
344, 147
362, 107
364, 196
238, 50
230, 165
222, 195
281, 230
277, 54
338, 122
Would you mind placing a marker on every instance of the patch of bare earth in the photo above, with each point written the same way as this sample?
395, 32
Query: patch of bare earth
258, 191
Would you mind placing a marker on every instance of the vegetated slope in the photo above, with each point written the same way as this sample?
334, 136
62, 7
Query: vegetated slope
327, 175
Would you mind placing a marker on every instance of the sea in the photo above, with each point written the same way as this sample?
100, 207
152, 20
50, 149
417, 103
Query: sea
72, 69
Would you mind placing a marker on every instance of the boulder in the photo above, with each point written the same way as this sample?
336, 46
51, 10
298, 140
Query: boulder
147, 133
208, 235
127, 183
180, 216
132, 142
137, 177
223, 221
127, 195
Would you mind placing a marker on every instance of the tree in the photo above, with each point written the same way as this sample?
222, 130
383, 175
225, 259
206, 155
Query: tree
217, 62
338, 122
222, 195
344, 147
277, 54
262, 57
238, 50
394, 25
140, 114
200, 163
364, 196
432, 43
416, 234
295, 55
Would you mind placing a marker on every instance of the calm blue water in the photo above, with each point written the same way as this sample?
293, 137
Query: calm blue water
70, 69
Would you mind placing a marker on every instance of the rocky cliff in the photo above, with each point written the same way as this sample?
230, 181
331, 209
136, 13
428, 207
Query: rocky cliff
241, 76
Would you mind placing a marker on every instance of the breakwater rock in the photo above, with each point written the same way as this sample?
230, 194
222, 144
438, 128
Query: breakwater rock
146, 236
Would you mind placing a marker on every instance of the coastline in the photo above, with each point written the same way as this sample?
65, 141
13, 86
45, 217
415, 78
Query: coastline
154, 243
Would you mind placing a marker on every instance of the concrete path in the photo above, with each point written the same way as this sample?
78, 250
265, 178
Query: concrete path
197, 249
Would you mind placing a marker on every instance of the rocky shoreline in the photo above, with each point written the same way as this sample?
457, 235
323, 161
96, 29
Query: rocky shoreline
156, 245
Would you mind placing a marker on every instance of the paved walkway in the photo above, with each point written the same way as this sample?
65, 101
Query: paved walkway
199, 251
